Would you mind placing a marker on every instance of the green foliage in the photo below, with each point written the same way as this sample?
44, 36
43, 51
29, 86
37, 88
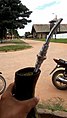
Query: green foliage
13, 15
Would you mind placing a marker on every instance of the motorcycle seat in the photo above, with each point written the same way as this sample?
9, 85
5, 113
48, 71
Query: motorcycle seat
61, 62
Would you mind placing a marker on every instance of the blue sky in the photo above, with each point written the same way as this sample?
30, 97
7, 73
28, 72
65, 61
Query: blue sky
44, 11
47, 5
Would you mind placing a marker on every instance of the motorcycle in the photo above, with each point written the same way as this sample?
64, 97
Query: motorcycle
59, 77
2, 83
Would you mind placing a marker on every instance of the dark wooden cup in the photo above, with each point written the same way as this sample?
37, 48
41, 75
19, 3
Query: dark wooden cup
24, 88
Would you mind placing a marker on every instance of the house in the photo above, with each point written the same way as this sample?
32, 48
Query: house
63, 28
42, 30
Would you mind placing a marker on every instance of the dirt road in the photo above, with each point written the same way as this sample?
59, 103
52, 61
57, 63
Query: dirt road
10, 62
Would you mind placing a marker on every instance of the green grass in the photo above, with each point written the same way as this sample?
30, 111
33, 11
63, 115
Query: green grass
54, 40
13, 41
54, 104
59, 40
14, 45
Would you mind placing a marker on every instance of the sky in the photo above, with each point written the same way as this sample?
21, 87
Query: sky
43, 11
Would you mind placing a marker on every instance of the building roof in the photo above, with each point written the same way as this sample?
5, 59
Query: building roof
46, 28
41, 27
63, 28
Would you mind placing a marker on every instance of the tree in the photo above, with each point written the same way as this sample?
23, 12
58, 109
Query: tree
13, 15
13, 33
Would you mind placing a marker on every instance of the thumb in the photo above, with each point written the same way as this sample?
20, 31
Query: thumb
29, 104
8, 91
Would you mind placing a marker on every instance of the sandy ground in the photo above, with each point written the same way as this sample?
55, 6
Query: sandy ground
10, 62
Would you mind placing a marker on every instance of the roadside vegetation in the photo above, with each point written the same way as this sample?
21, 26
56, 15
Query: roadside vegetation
60, 40
53, 104
17, 44
13, 45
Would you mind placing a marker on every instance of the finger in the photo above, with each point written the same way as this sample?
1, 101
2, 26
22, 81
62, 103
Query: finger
9, 88
8, 91
29, 104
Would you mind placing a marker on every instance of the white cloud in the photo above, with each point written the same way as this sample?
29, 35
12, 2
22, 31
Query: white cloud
44, 14
33, 4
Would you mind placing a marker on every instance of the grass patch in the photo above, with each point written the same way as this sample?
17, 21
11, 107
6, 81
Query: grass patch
54, 104
15, 41
14, 45
59, 40
54, 40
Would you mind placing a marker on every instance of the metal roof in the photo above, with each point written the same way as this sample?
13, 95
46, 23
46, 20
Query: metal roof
46, 28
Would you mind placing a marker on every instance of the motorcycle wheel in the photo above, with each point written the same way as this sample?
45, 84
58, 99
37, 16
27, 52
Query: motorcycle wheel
2, 84
59, 85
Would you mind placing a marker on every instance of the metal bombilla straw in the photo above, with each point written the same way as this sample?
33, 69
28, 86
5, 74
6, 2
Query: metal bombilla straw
42, 54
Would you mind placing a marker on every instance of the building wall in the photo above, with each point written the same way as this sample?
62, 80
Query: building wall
34, 34
39, 35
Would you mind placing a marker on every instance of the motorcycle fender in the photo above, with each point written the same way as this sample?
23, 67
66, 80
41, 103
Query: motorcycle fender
53, 70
